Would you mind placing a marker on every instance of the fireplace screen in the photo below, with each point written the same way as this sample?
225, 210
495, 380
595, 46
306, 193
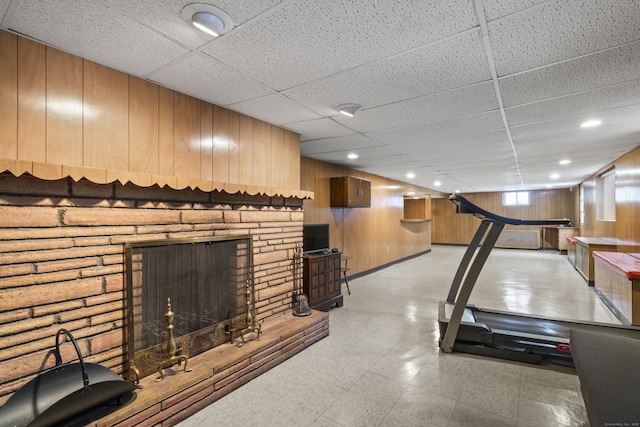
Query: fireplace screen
206, 281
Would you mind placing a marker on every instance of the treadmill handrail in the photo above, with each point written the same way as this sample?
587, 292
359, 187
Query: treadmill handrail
465, 206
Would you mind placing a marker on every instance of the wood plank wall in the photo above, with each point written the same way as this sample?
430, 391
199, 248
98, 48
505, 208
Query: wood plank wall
374, 236
627, 190
451, 228
62, 116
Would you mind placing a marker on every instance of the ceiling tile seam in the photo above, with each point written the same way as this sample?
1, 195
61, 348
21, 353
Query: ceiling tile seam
251, 21
198, 52
401, 101
148, 26
525, 10
480, 10
584, 55
398, 54
579, 92
570, 116
449, 118
9, 14
280, 95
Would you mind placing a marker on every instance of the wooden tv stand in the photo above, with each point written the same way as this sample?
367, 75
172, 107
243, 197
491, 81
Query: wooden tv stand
321, 280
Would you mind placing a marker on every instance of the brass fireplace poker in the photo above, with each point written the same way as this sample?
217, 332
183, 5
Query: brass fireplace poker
252, 324
175, 355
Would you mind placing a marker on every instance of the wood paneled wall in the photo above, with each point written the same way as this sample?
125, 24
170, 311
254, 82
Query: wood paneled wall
626, 227
452, 228
63, 116
374, 236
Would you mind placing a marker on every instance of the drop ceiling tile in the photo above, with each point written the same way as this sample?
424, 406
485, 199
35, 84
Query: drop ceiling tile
310, 39
318, 129
94, 31
478, 139
495, 9
570, 126
592, 101
208, 80
166, 16
340, 143
583, 74
448, 64
4, 7
370, 157
471, 124
561, 30
275, 109
459, 102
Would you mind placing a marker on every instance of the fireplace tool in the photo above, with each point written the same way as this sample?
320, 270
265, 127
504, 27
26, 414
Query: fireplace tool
252, 324
63, 391
175, 355
300, 303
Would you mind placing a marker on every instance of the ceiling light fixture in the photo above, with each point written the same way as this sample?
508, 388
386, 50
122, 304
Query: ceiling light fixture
349, 110
554, 176
352, 156
437, 183
590, 123
564, 162
207, 18
411, 175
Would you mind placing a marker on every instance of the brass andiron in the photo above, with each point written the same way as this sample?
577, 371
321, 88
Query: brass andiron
171, 347
252, 325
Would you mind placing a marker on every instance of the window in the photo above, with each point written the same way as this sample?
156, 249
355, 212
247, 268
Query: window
606, 196
515, 198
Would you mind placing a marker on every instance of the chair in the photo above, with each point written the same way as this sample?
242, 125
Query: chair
345, 259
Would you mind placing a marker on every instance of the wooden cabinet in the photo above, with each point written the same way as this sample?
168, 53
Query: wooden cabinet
350, 192
584, 254
417, 210
556, 237
321, 280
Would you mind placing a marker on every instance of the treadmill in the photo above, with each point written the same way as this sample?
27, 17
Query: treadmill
470, 329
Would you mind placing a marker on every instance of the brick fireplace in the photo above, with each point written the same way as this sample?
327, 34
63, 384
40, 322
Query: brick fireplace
62, 257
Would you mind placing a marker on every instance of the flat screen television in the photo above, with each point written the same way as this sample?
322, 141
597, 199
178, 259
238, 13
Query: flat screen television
315, 238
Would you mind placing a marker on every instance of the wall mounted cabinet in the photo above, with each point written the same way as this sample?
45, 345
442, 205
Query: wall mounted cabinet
350, 192
417, 210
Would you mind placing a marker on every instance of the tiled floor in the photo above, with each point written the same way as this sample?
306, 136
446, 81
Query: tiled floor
381, 365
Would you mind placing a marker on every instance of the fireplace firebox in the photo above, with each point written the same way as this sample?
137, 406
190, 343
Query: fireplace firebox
209, 282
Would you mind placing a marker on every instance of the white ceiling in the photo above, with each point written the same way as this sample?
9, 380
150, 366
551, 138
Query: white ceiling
483, 95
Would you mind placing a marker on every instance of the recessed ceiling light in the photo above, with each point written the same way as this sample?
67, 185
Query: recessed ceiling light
457, 191
590, 123
349, 110
411, 175
437, 183
207, 18
564, 162
554, 176
352, 156
411, 193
